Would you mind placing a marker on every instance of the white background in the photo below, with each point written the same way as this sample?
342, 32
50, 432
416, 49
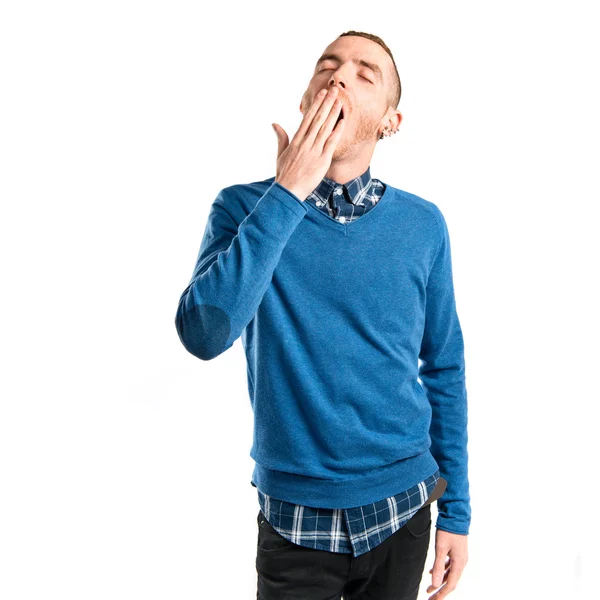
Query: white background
124, 460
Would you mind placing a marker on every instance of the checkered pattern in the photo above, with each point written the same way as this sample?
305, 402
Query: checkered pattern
347, 202
348, 530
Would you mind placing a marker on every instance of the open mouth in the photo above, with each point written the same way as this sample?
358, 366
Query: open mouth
340, 116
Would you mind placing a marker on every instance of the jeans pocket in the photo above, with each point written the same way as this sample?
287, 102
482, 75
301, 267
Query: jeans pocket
269, 539
420, 523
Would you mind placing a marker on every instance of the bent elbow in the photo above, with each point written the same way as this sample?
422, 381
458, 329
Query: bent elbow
203, 330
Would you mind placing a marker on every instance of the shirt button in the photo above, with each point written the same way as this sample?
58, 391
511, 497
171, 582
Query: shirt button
342, 219
338, 191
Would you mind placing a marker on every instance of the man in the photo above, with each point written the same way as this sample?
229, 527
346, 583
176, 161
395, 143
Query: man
337, 284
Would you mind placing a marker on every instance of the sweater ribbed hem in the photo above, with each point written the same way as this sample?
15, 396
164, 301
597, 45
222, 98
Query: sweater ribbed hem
350, 492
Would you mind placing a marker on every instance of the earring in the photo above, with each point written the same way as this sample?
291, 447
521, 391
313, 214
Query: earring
386, 133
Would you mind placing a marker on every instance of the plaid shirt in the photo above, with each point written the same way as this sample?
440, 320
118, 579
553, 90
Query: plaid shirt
347, 202
347, 530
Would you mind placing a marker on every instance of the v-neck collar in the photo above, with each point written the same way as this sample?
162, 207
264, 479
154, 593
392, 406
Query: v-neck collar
349, 225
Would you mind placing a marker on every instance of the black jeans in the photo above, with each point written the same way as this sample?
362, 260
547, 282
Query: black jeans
391, 571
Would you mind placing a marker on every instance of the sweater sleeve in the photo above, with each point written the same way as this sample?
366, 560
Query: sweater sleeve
233, 270
443, 374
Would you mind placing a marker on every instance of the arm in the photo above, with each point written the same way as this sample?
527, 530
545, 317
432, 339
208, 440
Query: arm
443, 375
234, 269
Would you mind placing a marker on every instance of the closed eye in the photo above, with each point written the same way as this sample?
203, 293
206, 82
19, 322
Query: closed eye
359, 75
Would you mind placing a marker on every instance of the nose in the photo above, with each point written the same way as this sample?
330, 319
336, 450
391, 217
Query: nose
342, 84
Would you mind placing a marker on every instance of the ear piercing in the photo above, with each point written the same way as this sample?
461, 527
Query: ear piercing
387, 133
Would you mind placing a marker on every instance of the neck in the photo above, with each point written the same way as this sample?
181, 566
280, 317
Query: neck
351, 164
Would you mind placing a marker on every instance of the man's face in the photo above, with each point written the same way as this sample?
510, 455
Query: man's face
362, 90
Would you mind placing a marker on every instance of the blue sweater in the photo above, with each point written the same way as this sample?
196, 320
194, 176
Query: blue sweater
329, 434
359, 529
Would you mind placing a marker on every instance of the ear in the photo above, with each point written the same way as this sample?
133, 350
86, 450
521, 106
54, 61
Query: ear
391, 120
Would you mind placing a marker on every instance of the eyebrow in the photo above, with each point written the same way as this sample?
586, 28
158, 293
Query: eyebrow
361, 62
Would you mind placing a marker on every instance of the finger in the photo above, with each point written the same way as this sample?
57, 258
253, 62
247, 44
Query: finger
310, 113
333, 139
436, 583
444, 590
329, 123
439, 566
448, 560
438, 595
432, 587
282, 138
450, 584
322, 114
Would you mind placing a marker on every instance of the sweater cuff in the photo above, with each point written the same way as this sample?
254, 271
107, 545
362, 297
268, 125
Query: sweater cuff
290, 200
452, 525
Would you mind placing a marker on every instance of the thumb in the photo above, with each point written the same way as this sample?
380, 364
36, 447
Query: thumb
439, 568
282, 138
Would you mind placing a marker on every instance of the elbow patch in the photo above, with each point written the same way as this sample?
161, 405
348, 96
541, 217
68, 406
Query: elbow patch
204, 330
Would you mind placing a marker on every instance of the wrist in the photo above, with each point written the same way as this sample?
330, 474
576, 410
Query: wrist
293, 190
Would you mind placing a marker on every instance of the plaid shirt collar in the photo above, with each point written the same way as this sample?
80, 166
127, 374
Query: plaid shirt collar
356, 190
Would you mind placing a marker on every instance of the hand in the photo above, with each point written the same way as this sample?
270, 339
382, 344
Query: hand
302, 163
451, 546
